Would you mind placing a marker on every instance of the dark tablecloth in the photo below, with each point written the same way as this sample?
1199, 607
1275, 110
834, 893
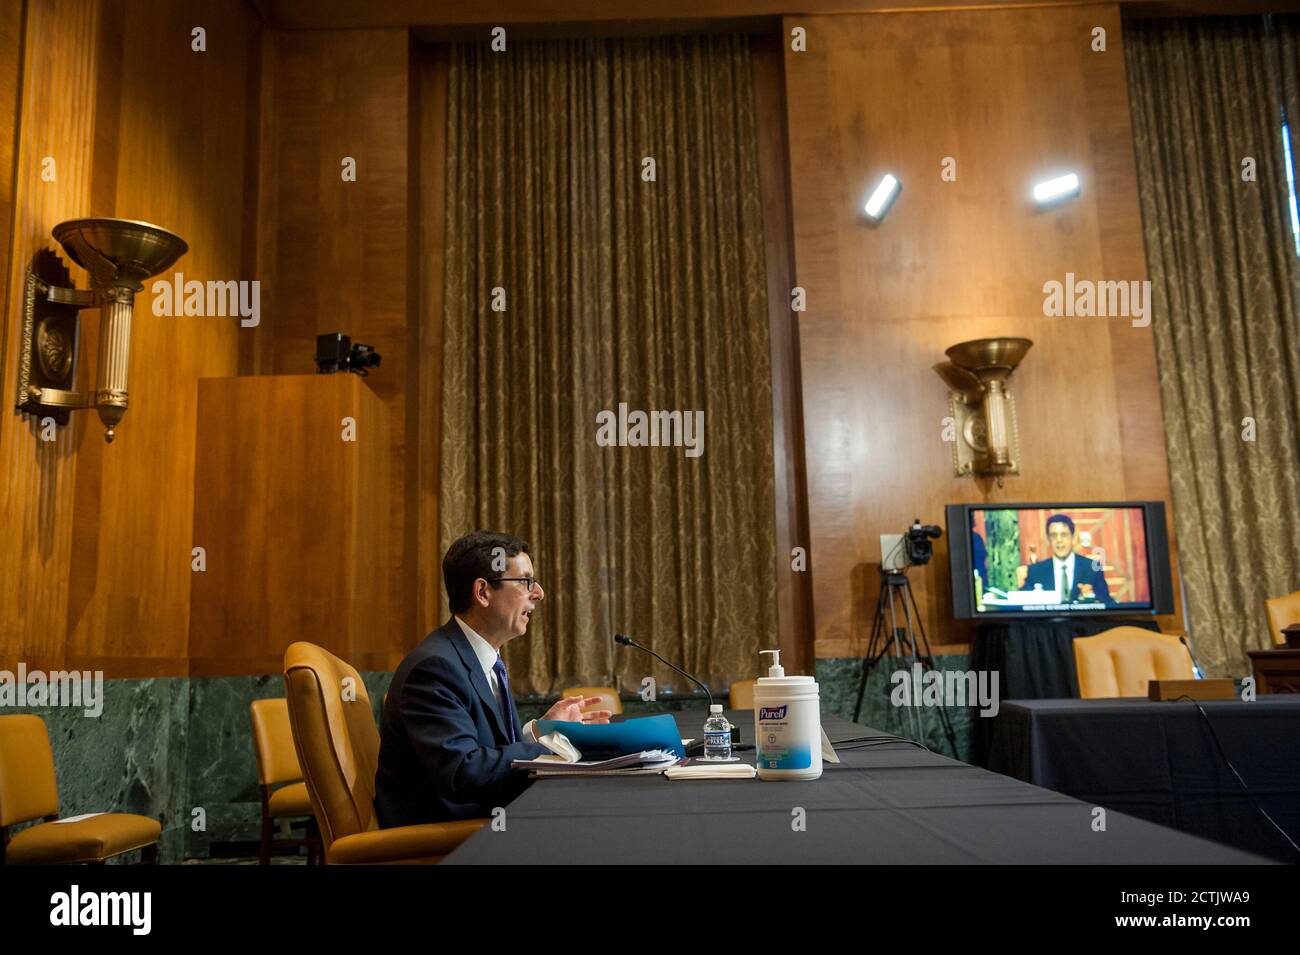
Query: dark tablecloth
1158, 761
884, 804
1034, 660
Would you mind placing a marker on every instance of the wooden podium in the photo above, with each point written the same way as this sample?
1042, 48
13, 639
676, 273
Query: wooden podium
1276, 670
293, 509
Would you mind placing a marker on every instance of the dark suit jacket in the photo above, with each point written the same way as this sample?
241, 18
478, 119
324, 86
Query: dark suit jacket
442, 743
1043, 573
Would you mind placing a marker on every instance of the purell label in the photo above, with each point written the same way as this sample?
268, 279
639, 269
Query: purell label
771, 712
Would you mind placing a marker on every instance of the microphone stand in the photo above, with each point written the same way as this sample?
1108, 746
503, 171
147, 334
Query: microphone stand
1196, 664
627, 641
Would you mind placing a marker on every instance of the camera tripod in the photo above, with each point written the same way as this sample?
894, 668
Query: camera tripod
896, 596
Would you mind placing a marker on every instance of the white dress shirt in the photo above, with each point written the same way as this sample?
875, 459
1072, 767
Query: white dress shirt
1061, 568
487, 658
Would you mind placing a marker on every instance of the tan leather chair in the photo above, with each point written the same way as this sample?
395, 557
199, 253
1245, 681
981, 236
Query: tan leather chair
1282, 612
29, 790
1121, 661
609, 699
338, 750
741, 695
277, 763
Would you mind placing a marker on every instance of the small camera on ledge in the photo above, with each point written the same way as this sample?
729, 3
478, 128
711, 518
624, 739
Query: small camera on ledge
335, 352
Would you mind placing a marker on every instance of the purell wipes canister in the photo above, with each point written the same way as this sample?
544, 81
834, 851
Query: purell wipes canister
787, 724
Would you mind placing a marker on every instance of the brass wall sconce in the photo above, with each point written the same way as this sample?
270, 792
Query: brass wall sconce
120, 255
987, 441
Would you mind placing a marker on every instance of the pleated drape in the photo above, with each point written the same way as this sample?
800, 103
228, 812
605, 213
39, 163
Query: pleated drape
604, 245
1206, 97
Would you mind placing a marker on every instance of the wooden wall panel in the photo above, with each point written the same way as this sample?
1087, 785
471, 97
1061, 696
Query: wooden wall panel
11, 56
336, 255
287, 510
794, 585
36, 493
682, 14
1012, 96
431, 162
96, 565
179, 148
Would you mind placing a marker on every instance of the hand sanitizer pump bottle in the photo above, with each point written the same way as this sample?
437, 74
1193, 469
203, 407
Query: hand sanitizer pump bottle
787, 724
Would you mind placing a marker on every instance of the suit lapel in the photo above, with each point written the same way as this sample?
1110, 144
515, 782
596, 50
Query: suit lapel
477, 678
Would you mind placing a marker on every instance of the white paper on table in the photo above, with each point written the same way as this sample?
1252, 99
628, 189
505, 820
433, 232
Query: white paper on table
828, 751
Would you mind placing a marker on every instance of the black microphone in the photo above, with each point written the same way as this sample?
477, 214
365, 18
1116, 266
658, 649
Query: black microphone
1196, 665
627, 641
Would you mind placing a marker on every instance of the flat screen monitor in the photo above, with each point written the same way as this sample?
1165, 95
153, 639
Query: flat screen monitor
1059, 559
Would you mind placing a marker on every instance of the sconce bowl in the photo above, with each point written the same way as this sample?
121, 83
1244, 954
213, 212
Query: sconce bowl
119, 251
989, 358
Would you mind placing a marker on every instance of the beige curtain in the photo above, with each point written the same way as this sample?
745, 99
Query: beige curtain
1206, 96
604, 246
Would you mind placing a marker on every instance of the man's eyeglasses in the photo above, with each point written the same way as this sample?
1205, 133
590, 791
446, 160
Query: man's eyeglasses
530, 583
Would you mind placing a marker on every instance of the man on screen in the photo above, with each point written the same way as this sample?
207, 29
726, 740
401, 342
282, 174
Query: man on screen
449, 729
1073, 577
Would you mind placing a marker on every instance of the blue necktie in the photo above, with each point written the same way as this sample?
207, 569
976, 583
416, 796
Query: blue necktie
499, 668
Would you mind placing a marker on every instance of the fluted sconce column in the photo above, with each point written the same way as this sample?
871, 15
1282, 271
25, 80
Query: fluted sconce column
119, 255
986, 440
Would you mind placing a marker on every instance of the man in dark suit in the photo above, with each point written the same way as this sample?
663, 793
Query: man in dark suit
449, 729
1071, 576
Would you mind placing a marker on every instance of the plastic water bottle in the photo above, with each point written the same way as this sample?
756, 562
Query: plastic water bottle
717, 734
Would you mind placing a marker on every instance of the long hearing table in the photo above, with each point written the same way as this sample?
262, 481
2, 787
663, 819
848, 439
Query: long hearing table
882, 804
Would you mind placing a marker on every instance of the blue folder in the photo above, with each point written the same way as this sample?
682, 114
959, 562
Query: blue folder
607, 740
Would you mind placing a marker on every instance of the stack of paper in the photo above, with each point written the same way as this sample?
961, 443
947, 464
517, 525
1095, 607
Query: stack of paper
706, 770
647, 762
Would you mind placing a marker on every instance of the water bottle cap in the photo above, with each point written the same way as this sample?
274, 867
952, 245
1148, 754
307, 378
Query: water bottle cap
715, 707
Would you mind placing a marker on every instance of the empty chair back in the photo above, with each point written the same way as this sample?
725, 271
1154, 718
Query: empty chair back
1282, 612
741, 695
336, 739
28, 789
277, 760
1121, 661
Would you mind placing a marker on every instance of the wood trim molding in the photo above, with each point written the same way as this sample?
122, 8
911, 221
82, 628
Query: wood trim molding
636, 15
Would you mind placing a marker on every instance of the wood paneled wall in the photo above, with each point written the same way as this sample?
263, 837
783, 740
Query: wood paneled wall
683, 14
240, 150
95, 558
287, 512
1012, 96
793, 584
431, 67
341, 256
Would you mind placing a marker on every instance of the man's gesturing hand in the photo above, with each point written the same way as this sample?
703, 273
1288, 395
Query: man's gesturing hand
569, 710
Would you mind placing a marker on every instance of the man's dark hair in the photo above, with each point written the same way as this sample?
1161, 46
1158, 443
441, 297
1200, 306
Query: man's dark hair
470, 558
1060, 519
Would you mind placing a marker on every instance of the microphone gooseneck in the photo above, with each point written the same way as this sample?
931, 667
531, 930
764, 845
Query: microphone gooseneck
625, 640
1196, 664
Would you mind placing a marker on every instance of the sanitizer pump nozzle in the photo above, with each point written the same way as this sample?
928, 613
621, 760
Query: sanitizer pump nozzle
775, 670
